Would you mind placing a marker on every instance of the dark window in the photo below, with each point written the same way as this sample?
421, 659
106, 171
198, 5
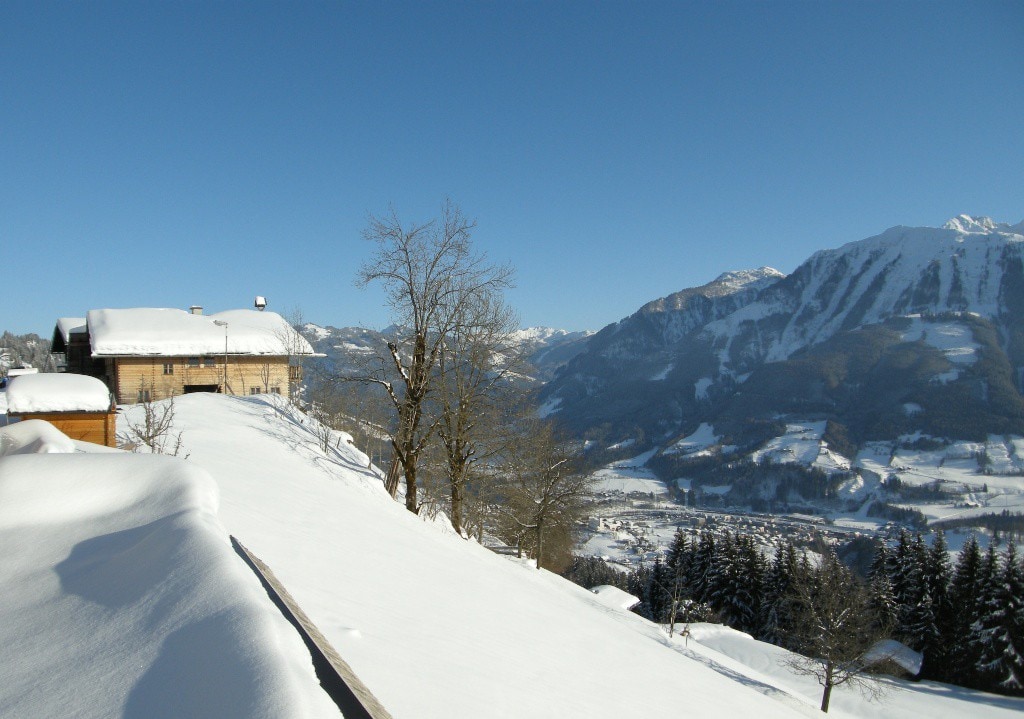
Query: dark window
144, 395
193, 361
168, 368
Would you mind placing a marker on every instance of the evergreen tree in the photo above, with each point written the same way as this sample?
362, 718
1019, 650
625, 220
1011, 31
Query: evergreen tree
719, 577
678, 557
777, 584
747, 580
938, 575
917, 614
659, 595
1001, 664
699, 577
985, 648
590, 572
964, 597
639, 586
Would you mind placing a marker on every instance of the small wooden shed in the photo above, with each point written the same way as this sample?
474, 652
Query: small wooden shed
79, 406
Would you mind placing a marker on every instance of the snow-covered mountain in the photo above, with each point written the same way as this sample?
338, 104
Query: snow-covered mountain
930, 319
343, 348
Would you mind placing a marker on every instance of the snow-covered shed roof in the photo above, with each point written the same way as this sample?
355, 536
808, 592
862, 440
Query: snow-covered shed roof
68, 325
57, 393
169, 332
63, 330
614, 597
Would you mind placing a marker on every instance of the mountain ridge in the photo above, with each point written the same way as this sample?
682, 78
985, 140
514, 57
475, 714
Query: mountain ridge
704, 352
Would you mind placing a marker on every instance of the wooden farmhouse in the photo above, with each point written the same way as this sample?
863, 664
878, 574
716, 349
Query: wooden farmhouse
148, 354
79, 406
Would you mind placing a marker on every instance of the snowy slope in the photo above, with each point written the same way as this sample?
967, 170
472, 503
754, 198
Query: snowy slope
435, 626
123, 598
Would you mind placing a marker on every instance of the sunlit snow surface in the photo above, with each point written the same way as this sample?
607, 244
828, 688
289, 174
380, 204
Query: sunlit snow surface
173, 332
57, 392
629, 475
802, 444
122, 598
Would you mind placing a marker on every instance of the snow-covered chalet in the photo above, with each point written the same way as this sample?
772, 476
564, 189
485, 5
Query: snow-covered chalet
147, 354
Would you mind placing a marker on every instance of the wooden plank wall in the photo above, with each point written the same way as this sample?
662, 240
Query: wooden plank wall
95, 427
129, 374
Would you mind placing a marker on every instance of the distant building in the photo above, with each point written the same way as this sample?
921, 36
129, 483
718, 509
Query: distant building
147, 354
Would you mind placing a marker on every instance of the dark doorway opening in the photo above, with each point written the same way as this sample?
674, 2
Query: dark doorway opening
190, 388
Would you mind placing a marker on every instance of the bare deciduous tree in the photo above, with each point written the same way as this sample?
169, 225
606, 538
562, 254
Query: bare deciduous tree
155, 430
429, 273
833, 628
544, 490
266, 371
475, 367
293, 343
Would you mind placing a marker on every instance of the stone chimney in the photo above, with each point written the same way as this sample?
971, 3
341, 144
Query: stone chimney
196, 309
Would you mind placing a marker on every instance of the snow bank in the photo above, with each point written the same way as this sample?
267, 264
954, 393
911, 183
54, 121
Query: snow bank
122, 597
908, 700
615, 598
34, 436
57, 393
169, 332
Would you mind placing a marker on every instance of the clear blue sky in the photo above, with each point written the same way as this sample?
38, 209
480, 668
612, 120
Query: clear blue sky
171, 153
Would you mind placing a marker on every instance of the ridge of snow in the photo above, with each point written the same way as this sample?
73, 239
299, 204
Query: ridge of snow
122, 597
968, 224
33, 436
735, 280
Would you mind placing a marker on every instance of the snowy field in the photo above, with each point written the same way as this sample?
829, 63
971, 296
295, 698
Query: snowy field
122, 598
627, 476
802, 444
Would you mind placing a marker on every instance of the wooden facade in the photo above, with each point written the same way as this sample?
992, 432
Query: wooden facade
137, 379
95, 427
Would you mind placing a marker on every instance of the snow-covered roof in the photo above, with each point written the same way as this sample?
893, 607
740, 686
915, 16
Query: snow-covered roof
57, 393
615, 598
67, 325
168, 332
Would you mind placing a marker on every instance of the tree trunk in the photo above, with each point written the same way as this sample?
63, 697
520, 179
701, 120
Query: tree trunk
540, 544
410, 484
394, 472
826, 695
458, 490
